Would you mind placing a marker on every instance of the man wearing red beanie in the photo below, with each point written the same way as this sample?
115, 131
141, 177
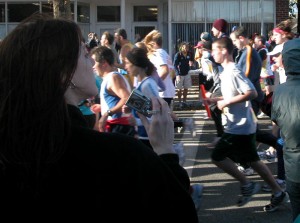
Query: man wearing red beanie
219, 28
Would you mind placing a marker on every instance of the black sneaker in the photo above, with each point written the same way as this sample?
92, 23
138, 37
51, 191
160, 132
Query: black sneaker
276, 202
247, 192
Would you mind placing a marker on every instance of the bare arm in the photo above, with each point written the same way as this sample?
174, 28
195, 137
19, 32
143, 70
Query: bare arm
123, 53
163, 71
118, 87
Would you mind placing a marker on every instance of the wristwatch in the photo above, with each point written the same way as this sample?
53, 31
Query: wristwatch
109, 112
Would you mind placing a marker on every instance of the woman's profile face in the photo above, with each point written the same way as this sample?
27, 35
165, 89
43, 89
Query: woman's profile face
130, 67
278, 38
103, 40
84, 77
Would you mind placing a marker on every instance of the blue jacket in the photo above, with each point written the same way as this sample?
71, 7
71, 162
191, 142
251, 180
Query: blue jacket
181, 63
255, 69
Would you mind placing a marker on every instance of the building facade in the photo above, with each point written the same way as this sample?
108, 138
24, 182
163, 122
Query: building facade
178, 20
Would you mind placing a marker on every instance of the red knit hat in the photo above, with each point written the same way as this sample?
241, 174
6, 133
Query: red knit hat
221, 25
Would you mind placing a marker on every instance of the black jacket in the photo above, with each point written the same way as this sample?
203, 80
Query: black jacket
106, 177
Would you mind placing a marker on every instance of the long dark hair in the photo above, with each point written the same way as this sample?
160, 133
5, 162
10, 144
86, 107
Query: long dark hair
138, 57
38, 60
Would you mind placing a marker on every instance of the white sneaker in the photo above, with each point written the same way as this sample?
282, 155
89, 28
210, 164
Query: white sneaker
178, 148
180, 129
262, 115
247, 172
271, 155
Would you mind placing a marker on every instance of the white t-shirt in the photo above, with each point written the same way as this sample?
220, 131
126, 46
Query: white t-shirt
161, 57
237, 118
282, 76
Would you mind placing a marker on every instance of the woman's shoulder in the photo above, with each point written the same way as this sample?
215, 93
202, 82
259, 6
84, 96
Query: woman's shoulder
149, 87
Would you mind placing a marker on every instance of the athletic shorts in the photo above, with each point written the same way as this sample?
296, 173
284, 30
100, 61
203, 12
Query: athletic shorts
239, 148
123, 129
184, 82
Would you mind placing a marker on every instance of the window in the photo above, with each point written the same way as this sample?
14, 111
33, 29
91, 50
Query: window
2, 12
190, 11
108, 13
19, 11
142, 31
251, 11
145, 13
83, 13
229, 10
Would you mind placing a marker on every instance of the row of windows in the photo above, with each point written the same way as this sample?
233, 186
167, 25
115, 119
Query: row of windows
182, 11
231, 10
16, 12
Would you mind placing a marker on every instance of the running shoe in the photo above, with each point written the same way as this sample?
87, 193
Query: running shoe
262, 115
267, 155
271, 156
247, 172
247, 192
281, 183
276, 202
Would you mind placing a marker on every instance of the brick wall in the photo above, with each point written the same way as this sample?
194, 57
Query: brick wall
282, 10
